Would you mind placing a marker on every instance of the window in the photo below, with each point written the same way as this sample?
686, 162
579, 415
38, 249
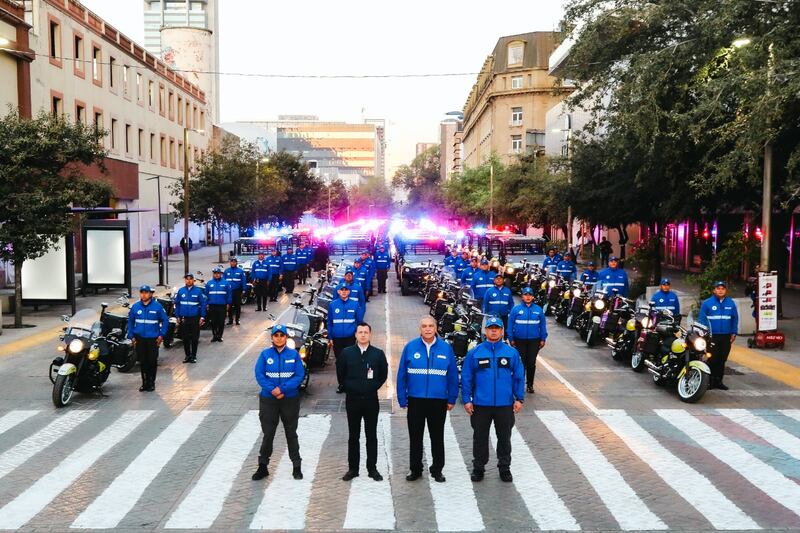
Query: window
125, 74
516, 144
98, 120
153, 146
80, 114
172, 153
150, 93
202, 120
127, 138
161, 99
55, 41
57, 106
180, 156
97, 59
195, 117
77, 53
139, 87
112, 64
516, 82
113, 133
516, 54
163, 151
141, 142
180, 110
188, 115
516, 116
171, 105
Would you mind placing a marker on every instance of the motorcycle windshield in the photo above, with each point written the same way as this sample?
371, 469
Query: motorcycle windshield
82, 322
300, 326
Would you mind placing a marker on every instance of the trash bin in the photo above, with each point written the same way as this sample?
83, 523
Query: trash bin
155, 253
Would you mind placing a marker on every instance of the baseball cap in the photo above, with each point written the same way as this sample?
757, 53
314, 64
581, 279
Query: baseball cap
665, 281
146, 288
613, 258
720, 284
341, 286
494, 322
217, 270
233, 260
279, 328
527, 290
498, 275
349, 270
189, 275
484, 261
590, 263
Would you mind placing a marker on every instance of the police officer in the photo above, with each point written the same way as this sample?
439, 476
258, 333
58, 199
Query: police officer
361, 276
219, 298
665, 299
427, 384
612, 278
238, 280
590, 274
190, 308
383, 261
356, 290
303, 254
289, 270
469, 272
498, 300
344, 315
369, 265
147, 325
462, 263
275, 267
260, 274
450, 259
566, 268
493, 390
279, 371
719, 313
362, 370
482, 280
527, 332
550, 262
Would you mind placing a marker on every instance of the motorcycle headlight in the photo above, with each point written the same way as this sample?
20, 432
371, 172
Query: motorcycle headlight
700, 344
646, 322
587, 306
75, 346
291, 344
678, 346
551, 283
406, 270
544, 284
440, 294
303, 352
576, 292
599, 304
427, 276
567, 295
631, 325
510, 270
94, 352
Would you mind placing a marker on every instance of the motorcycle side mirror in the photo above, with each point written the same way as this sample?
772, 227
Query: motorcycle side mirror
116, 332
65, 318
126, 295
126, 304
104, 304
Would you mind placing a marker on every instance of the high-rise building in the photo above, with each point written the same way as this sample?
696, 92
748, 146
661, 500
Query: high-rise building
424, 147
450, 148
380, 144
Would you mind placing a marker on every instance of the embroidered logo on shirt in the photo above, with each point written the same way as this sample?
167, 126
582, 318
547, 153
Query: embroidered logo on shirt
269, 361
713, 307
417, 355
503, 361
336, 310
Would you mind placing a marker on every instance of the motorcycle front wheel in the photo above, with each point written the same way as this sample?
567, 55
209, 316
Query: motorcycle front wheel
693, 385
591, 337
619, 353
63, 389
570, 319
637, 361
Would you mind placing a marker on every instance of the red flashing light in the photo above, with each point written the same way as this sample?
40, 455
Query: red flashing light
758, 233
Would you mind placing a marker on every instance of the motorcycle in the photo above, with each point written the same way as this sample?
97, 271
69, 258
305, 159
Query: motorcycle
594, 311
88, 356
112, 321
579, 297
625, 331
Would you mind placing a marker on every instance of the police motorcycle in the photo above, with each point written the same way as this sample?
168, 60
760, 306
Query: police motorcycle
579, 295
554, 287
117, 320
564, 305
88, 356
674, 354
610, 320
624, 326
306, 334
466, 333
594, 311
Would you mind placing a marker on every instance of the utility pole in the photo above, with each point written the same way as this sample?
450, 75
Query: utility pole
766, 200
491, 193
186, 200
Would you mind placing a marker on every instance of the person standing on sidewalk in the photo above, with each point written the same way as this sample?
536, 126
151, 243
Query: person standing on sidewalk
279, 371
303, 254
498, 300
527, 332
147, 325
344, 315
289, 270
190, 308
260, 274
493, 390
427, 384
362, 370
238, 280
720, 315
605, 251
383, 261
274, 275
219, 298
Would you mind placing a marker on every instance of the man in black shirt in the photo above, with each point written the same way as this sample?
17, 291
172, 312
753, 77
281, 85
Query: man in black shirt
362, 369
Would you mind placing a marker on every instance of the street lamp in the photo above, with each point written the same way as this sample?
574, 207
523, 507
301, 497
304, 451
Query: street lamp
568, 130
186, 196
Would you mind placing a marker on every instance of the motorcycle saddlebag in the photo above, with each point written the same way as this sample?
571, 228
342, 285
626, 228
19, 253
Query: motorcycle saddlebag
651, 342
447, 324
460, 343
440, 309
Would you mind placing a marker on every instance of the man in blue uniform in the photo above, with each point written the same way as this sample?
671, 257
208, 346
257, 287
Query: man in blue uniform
550, 262
303, 254
275, 268
493, 390
238, 280
219, 298
482, 281
190, 308
279, 371
369, 264
527, 332
356, 290
612, 278
260, 274
566, 268
498, 300
383, 261
361, 276
719, 313
344, 315
665, 299
450, 259
590, 274
427, 384
461, 263
147, 325
469, 272
289, 270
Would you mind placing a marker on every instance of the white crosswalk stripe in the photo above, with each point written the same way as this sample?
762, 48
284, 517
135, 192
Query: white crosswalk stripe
626, 507
778, 487
781, 439
14, 418
791, 413
40, 440
205, 501
21, 509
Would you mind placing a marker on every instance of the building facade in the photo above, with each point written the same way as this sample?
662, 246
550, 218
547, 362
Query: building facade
505, 111
450, 132
87, 70
15, 59
421, 148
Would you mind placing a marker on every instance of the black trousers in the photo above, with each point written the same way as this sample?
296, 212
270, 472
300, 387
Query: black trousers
433, 412
382, 275
190, 333
261, 288
481, 421
340, 343
147, 353
274, 286
270, 412
236, 306
303, 273
528, 350
288, 281
357, 409
719, 356
216, 314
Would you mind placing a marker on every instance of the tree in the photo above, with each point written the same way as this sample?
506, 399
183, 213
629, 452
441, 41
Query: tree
230, 186
339, 198
422, 180
533, 190
467, 192
41, 177
303, 187
371, 197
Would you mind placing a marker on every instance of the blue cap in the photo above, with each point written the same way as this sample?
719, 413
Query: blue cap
341, 286
188, 275
613, 258
494, 322
217, 270
357, 260
484, 261
665, 281
233, 259
349, 270
590, 263
146, 288
279, 328
720, 284
527, 290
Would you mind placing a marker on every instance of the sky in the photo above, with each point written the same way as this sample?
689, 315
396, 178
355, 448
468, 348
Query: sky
355, 37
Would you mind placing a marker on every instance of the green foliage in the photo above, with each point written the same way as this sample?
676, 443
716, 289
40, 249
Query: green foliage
302, 187
726, 264
372, 192
467, 193
639, 265
422, 181
339, 200
533, 190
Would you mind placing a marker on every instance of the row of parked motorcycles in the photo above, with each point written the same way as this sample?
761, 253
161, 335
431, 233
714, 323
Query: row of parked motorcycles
646, 338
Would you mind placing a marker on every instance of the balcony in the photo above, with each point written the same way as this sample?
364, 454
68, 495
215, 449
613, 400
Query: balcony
515, 123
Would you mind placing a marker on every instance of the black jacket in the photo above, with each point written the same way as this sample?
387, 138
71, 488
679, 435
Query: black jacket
352, 368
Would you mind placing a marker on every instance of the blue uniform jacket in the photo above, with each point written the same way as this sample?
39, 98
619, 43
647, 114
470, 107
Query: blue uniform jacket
370, 266
357, 293
383, 260
567, 270
492, 375
260, 270
274, 265
361, 275
460, 265
467, 274
282, 369
666, 300
289, 263
527, 322
303, 255
343, 318
482, 282
236, 277
589, 276
721, 316
498, 302
550, 264
613, 278
219, 292
424, 375
190, 302
450, 260
147, 321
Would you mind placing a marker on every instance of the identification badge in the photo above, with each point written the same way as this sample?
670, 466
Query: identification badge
370, 373
484, 363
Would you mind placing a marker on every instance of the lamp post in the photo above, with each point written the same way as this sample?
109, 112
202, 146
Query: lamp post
186, 196
568, 130
163, 273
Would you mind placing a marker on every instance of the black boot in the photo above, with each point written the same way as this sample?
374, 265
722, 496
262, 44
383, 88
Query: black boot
260, 473
297, 473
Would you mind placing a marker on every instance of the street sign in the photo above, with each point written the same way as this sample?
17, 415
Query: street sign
167, 222
767, 301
